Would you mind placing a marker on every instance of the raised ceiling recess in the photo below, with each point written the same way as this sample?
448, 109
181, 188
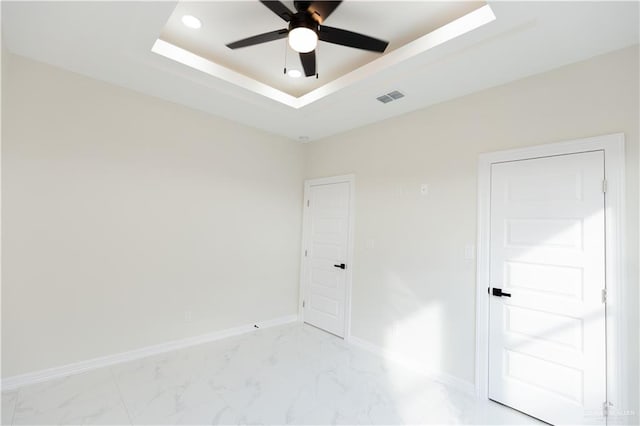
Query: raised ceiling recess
409, 27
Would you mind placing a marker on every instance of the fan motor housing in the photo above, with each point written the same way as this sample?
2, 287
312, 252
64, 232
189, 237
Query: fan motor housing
301, 5
303, 19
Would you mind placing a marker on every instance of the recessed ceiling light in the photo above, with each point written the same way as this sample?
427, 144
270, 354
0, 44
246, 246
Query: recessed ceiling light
294, 73
191, 21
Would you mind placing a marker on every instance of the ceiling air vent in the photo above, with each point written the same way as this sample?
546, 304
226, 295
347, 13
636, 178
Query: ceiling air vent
385, 99
396, 94
391, 96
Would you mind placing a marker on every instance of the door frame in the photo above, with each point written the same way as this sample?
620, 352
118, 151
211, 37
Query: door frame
351, 180
617, 346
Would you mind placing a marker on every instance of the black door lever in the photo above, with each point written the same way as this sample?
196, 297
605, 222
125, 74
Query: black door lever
341, 266
498, 292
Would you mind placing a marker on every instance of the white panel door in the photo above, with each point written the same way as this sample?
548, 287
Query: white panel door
327, 238
547, 334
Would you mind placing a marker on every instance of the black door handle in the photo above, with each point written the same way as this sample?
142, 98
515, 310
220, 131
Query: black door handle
498, 292
341, 266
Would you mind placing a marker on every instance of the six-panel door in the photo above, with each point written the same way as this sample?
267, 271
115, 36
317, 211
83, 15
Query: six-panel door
327, 247
547, 340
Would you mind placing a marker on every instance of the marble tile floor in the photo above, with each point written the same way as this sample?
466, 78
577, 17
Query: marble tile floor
292, 374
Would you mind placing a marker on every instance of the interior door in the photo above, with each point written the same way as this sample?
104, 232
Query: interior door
547, 340
327, 241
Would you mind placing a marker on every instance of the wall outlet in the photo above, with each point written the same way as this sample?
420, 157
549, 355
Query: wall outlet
188, 316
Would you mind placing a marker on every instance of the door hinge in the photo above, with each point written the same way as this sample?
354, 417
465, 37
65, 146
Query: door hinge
305, 253
604, 186
303, 303
605, 408
307, 203
604, 295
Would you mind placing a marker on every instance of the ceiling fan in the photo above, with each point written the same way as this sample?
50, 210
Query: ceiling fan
305, 29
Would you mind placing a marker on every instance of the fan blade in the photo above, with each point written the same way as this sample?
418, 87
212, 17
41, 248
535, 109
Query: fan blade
279, 9
351, 39
320, 10
309, 63
260, 38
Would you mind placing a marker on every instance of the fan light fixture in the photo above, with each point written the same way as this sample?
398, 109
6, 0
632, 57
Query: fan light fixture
303, 40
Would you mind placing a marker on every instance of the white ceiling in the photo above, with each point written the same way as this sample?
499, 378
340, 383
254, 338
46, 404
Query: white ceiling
112, 41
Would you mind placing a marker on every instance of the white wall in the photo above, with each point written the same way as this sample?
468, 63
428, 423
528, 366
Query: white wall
122, 212
413, 290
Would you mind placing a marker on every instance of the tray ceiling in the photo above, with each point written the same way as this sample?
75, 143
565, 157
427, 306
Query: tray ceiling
223, 22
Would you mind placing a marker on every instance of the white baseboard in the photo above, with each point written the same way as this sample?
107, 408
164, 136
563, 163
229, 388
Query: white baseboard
91, 364
438, 376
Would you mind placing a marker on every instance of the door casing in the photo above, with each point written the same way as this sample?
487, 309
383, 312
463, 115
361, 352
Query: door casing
351, 180
617, 345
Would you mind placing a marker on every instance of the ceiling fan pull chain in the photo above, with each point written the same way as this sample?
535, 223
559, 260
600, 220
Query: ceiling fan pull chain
317, 56
286, 48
